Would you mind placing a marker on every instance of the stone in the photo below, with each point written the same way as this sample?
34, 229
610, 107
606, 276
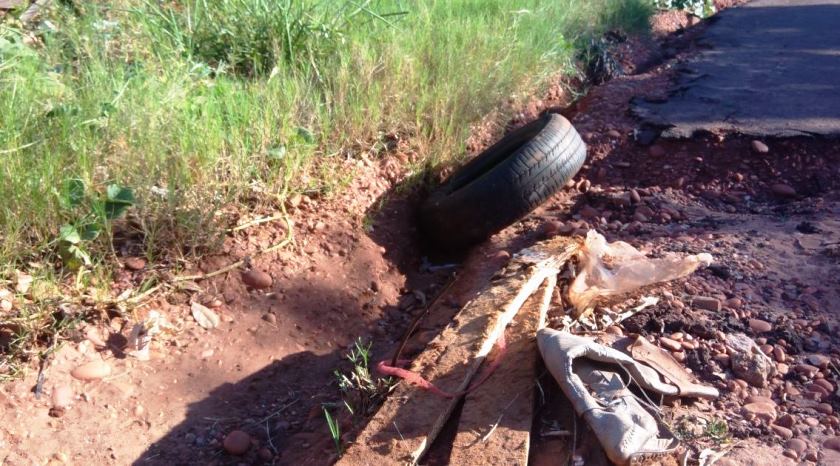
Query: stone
824, 408
760, 326
832, 443
237, 442
806, 369
747, 360
796, 444
706, 303
764, 411
93, 370
589, 212
256, 279
829, 388
670, 344
759, 147
818, 360
783, 190
791, 454
656, 150
135, 263
779, 354
782, 432
786, 420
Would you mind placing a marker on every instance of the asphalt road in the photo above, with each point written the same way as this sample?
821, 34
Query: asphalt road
770, 68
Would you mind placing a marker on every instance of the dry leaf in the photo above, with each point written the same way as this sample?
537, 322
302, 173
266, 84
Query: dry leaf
204, 316
22, 282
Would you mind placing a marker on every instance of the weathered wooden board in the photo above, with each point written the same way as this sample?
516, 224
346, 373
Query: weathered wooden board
495, 423
410, 419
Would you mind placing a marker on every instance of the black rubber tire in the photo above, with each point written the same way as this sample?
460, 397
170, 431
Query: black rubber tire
503, 183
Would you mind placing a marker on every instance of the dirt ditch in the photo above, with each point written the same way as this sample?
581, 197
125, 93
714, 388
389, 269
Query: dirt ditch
359, 270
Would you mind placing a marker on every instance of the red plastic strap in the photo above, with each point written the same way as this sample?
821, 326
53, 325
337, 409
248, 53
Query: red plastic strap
417, 380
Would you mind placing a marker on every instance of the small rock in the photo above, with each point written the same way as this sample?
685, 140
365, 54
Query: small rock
759, 147
818, 360
237, 442
257, 279
707, 303
783, 190
806, 369
760, 326
824, 408
270, 318
613, 134
5, 305
266, 454
825, 384
796, 444
135, 263
790, 454
782, 432
62, 396
656, 150
759, 399
779, 354
614, 330
92, 371
634, 196
832, 443
786, 421
501, 256
589, 212
552, 227
670, 344
763, 411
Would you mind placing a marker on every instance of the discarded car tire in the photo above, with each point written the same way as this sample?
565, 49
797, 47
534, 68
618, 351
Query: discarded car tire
502, 184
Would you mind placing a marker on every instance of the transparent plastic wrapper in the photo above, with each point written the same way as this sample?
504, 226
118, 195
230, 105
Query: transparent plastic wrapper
610, 269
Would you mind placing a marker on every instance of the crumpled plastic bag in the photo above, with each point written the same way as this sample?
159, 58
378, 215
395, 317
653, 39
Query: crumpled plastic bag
609, 269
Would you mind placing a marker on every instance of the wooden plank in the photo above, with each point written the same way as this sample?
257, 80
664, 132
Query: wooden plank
409, 420
495, 423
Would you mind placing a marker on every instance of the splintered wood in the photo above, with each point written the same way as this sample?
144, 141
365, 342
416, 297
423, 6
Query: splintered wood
495, 422
410, 419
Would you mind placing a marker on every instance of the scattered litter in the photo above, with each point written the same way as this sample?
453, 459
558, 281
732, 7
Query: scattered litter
142, 333
608, 269
205, 316
649, 354
597, 379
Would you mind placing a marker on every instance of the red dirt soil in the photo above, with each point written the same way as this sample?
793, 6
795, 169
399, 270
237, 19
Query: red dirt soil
268, 368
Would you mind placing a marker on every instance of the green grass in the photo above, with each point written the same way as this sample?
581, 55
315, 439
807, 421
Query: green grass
196, 104
200, 105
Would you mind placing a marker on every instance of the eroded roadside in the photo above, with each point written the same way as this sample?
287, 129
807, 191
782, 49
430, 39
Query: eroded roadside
358, 270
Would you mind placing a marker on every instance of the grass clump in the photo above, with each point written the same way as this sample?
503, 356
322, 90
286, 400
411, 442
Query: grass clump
362, 392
